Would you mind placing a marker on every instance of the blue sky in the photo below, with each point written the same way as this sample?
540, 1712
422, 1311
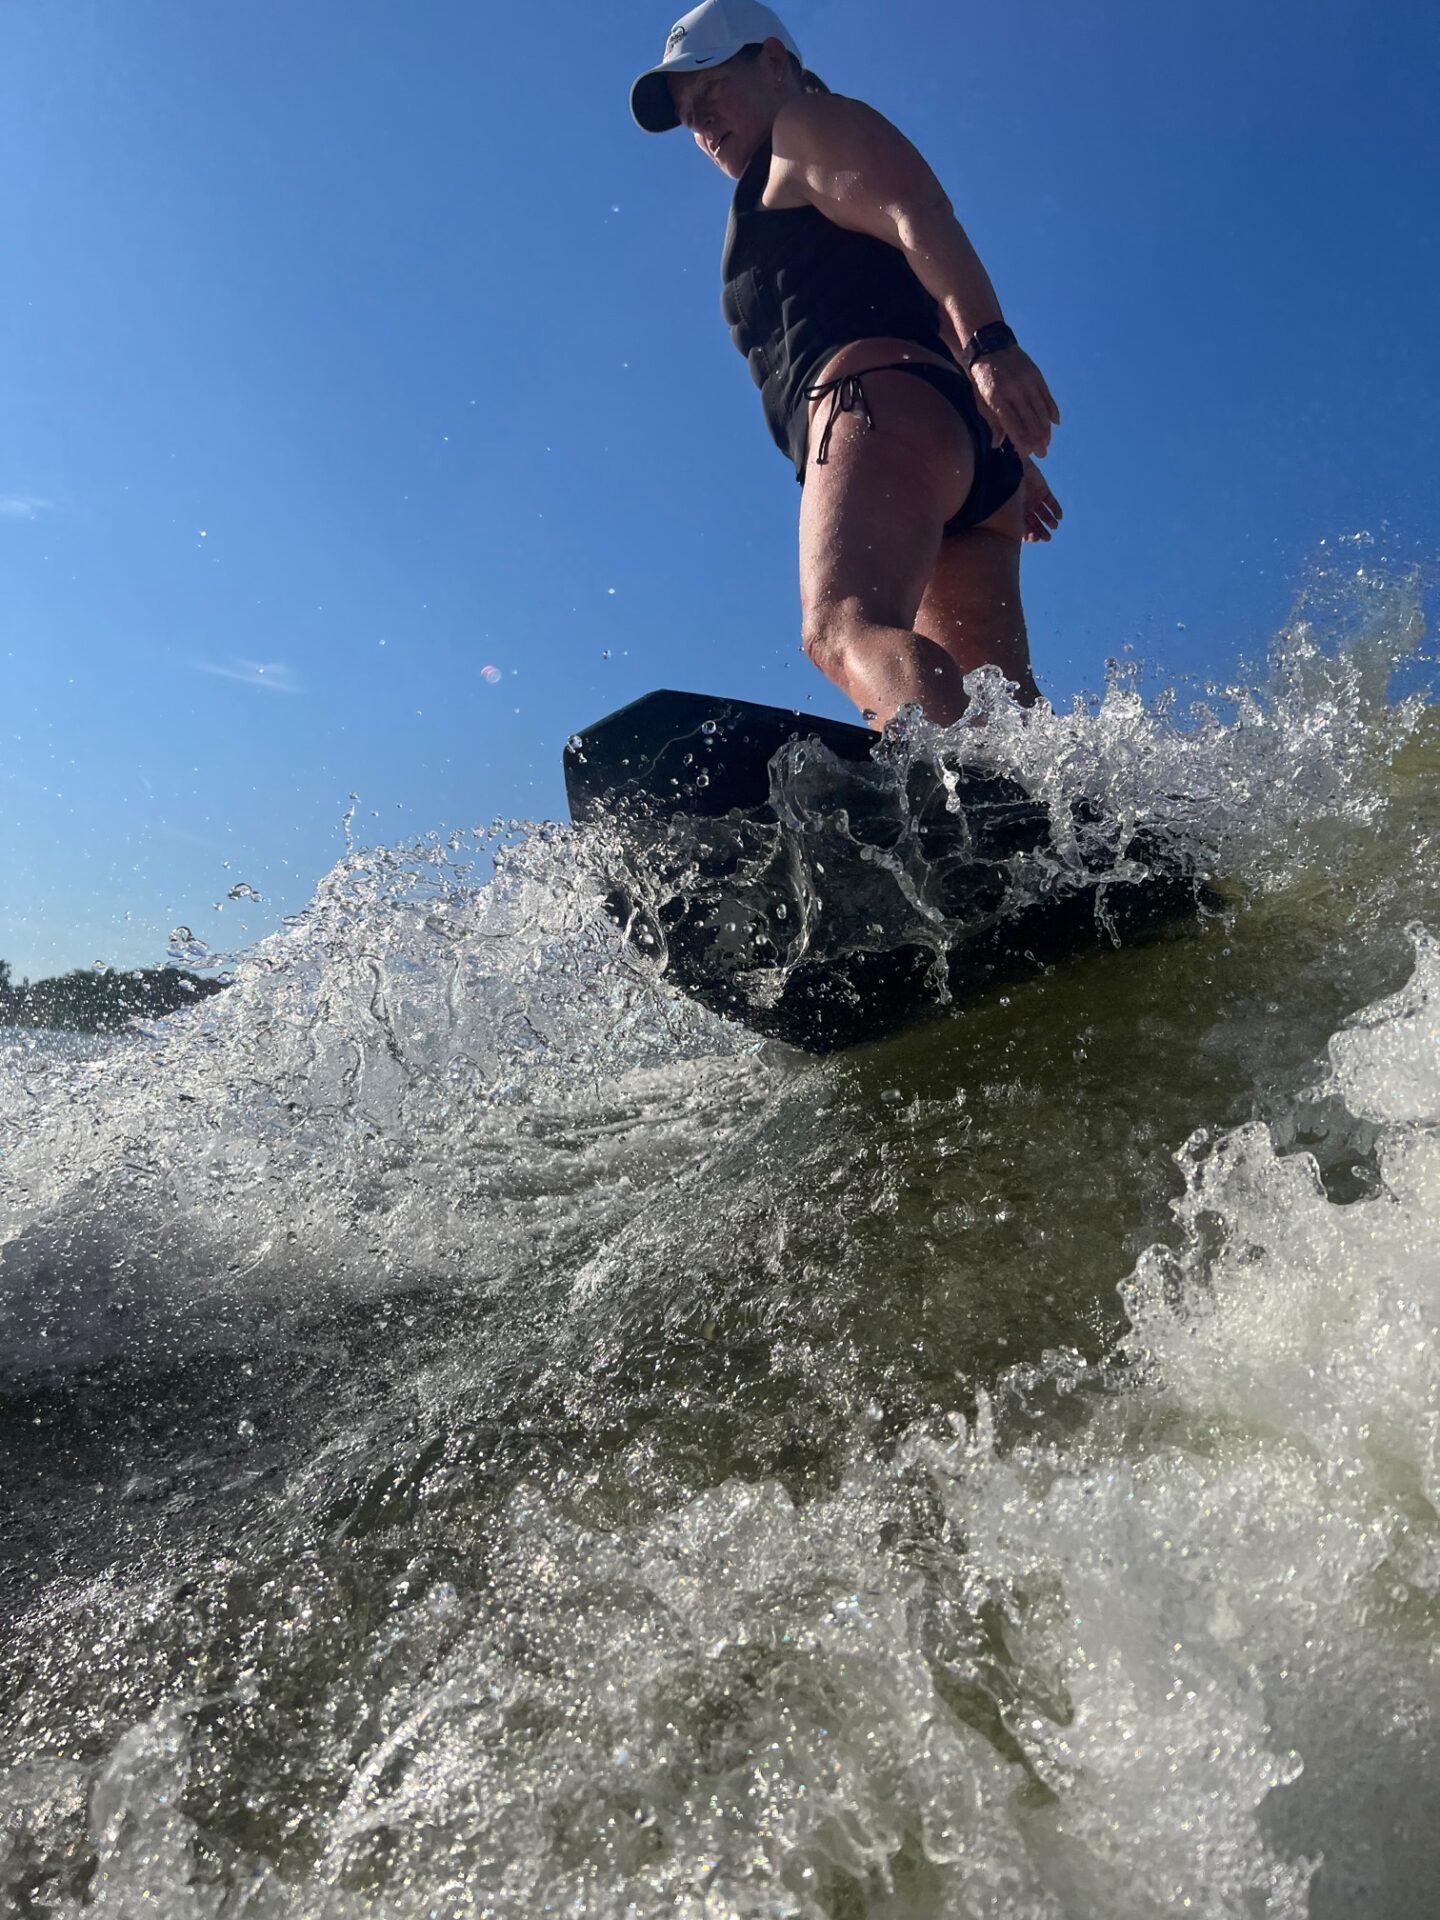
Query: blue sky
370, 345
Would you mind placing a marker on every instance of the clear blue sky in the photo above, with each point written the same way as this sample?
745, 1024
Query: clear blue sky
370, 345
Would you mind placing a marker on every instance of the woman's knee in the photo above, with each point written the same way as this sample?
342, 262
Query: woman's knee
827, 636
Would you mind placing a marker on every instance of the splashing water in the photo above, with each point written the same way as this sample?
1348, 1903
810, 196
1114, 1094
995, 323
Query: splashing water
485, 1438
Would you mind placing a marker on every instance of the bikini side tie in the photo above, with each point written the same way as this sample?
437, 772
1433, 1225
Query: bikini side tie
846, 395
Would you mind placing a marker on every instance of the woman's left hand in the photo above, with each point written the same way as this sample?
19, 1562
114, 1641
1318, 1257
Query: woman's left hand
1012, 390
1043, 512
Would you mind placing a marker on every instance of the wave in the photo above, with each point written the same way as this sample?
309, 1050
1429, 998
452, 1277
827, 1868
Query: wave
488, 1437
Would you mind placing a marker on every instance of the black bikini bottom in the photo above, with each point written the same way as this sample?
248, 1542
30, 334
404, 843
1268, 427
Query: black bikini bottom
997, 469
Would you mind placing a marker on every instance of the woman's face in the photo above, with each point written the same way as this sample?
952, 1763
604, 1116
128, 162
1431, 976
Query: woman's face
729, 110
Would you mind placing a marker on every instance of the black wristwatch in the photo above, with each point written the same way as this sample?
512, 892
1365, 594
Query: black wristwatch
987, 340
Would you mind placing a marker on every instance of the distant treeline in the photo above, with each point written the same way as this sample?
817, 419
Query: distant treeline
95, 1002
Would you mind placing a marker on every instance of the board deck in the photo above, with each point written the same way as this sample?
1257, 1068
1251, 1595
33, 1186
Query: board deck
779, 875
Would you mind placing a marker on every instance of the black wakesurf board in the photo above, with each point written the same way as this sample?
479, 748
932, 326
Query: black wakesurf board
782, 875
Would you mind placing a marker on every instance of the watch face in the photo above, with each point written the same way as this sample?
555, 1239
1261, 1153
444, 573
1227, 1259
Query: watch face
986, 340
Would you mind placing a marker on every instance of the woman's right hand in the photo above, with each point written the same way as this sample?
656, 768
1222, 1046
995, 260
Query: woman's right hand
1013, 392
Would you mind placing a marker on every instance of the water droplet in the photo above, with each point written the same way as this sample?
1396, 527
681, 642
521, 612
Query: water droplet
185, 945
702, 779
707, 726
490, 674
240, 891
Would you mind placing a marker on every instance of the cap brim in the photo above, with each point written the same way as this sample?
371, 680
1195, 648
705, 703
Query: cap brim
651, 107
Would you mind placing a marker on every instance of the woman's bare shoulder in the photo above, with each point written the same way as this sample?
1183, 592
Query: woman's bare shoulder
819, 127
820, 135
811, 115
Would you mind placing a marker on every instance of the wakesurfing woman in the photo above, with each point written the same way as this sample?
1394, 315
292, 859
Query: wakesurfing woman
886, 370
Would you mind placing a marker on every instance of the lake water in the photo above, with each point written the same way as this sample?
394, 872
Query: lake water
484, 1438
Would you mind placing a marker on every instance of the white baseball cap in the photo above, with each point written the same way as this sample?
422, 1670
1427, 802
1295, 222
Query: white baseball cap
709, 34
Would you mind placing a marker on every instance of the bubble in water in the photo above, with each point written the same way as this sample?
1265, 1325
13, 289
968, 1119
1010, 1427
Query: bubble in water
707, 727
242, 891
490, 674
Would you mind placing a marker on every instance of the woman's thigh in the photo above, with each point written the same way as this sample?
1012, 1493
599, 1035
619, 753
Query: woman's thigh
871, 518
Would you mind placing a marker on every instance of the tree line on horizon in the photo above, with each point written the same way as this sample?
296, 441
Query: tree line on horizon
101, 1000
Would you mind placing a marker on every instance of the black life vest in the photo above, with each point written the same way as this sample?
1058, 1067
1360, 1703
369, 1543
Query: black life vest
797, 288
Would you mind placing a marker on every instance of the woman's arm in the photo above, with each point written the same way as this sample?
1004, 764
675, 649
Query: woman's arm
851, 165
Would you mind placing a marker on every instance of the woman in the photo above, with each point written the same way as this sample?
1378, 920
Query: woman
859, 303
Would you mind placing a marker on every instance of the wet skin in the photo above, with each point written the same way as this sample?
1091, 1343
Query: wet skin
894, 613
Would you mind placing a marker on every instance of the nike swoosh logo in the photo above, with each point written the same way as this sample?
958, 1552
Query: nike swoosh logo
703, 59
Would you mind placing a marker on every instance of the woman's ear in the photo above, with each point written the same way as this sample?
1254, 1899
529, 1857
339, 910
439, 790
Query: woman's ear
777, 58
